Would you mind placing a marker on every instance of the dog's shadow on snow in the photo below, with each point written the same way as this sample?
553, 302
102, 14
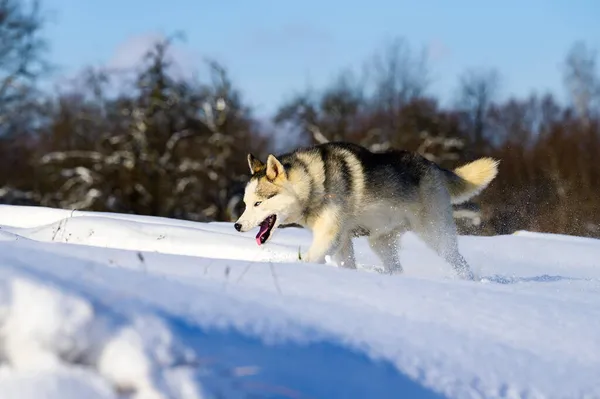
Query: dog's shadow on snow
545, 278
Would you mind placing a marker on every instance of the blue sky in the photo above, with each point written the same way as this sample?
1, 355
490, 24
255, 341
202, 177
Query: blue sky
275, 47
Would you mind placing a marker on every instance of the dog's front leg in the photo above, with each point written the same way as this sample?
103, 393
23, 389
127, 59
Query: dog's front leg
345, 253
324, 242
326, 238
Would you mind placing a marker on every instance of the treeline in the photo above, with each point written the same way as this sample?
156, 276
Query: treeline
151, 141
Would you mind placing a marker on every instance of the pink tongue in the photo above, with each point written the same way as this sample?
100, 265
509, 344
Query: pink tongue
264, 226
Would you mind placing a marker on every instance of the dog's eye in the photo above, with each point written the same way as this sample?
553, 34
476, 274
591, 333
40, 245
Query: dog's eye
257, 203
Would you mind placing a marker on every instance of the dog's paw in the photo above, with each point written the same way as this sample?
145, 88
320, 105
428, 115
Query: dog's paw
310, 258
466, 274
306, 258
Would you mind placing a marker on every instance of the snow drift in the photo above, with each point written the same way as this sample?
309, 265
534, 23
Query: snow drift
100, 305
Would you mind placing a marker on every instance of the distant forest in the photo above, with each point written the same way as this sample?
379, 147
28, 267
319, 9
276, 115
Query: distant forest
152, 142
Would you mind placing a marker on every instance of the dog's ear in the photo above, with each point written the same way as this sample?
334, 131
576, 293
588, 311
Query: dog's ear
274, 168
255, 164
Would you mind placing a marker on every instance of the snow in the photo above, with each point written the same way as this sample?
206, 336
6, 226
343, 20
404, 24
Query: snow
102, 305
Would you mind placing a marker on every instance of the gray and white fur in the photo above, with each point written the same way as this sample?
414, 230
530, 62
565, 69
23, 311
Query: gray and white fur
342, 190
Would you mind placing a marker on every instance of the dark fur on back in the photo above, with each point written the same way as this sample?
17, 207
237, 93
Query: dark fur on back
388, 172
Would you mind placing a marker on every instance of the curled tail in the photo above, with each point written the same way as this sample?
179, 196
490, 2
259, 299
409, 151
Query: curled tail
469, 180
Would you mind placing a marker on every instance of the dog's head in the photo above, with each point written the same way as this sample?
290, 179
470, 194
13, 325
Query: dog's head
269, 198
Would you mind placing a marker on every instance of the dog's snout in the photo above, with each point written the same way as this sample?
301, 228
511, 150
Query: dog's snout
238, 226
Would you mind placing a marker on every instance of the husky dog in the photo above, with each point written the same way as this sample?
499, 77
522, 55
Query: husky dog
342, 190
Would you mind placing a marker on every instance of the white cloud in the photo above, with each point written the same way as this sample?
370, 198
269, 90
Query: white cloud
130, 53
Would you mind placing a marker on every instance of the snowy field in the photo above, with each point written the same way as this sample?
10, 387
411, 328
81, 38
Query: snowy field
97, 306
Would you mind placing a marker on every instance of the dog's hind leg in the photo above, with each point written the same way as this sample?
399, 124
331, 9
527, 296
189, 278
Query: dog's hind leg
435, 225
386, 246
444, 242
344, 256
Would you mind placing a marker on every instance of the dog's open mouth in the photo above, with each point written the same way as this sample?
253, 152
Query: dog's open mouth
265, 229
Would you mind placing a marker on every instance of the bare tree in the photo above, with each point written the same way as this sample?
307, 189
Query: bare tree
329, 115
477, 92
22, 61
398, 78
21, 58
582, 80
398, 74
